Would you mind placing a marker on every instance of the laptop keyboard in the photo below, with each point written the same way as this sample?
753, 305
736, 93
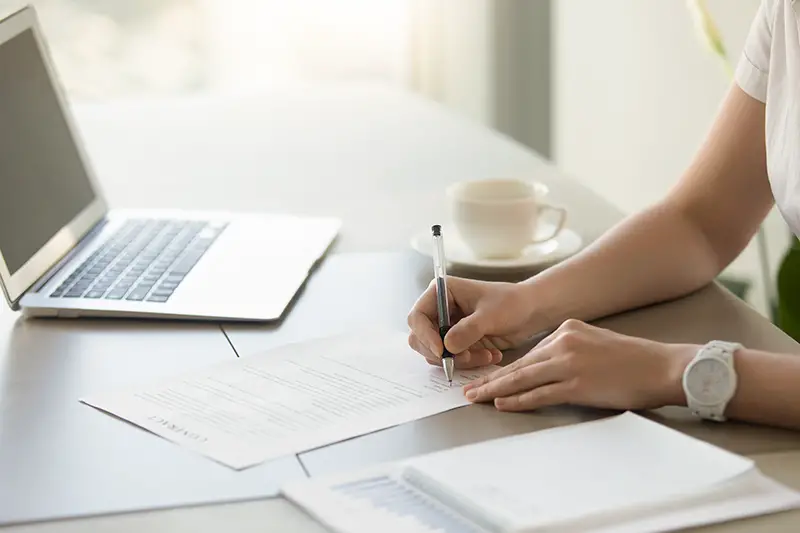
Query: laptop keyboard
145, 260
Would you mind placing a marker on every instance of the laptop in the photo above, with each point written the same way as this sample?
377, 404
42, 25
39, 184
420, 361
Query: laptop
65, 253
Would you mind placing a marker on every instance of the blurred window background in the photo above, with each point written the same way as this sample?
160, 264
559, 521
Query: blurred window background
618, 93
107, 49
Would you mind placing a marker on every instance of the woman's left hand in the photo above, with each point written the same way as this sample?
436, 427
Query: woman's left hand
580, 364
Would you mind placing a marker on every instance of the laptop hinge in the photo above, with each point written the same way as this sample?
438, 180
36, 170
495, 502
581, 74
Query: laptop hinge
81, 245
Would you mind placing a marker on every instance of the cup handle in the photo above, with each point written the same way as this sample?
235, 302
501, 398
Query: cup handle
562, 219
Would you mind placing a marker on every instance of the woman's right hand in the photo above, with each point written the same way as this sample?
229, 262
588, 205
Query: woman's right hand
487, 317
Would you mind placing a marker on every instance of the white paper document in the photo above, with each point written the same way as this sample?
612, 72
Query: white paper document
292, 399
624, 474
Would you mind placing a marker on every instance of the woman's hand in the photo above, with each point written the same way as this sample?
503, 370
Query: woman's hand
580, 364
487, 317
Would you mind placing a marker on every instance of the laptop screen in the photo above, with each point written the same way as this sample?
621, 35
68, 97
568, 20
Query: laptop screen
43, 182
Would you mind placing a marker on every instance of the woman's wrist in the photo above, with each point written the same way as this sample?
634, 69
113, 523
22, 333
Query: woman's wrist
676, 358
541, 309
546, 310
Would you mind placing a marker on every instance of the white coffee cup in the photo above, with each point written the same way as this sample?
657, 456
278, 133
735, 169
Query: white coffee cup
498, 218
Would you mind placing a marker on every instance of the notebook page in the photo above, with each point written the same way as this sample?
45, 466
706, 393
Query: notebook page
375, 499
748, 495
547, 476
392, 501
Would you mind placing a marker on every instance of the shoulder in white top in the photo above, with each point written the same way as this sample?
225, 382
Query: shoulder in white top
769, 70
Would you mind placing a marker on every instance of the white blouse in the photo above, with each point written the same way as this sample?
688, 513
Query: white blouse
769, 70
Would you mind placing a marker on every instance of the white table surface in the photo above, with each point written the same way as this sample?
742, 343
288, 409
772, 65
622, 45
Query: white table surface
280, 516
292, 151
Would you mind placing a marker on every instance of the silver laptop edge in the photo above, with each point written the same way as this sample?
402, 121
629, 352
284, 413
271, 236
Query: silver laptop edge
14, 286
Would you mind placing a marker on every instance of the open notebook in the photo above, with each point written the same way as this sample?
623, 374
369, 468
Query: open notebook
623, 474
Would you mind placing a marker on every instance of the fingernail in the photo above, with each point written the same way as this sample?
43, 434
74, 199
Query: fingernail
472, 394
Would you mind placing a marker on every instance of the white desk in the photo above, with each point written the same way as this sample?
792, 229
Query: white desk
279, 515
379, 160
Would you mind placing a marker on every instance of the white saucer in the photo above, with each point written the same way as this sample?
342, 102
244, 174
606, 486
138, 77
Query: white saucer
560, 247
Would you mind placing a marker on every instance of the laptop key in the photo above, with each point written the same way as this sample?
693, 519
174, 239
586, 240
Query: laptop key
137, 295
158, 298
73, 293
116, 294
186, 264
163, 292
95, 294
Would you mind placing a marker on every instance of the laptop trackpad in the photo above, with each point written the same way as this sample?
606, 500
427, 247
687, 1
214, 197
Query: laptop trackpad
251, 270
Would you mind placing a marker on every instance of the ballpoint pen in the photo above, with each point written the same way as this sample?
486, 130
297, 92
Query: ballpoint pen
440, 275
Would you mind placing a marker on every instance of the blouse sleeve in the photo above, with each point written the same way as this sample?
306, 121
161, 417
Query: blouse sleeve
753, 67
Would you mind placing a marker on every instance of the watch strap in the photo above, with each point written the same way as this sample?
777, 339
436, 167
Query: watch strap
710, 412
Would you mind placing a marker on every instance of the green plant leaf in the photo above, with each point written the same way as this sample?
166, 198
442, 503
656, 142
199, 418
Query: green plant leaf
708, 31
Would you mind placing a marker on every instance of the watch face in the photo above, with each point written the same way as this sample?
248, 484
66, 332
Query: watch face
708, 381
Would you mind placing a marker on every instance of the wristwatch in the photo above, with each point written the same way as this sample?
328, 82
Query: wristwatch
709, 380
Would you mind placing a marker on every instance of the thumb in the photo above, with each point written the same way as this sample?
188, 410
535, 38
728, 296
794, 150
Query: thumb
465, 333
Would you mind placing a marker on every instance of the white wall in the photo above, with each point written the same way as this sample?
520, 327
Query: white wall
450, 54
635, 93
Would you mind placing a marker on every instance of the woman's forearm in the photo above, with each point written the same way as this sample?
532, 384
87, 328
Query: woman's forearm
653, 256
678, 245
766, 392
